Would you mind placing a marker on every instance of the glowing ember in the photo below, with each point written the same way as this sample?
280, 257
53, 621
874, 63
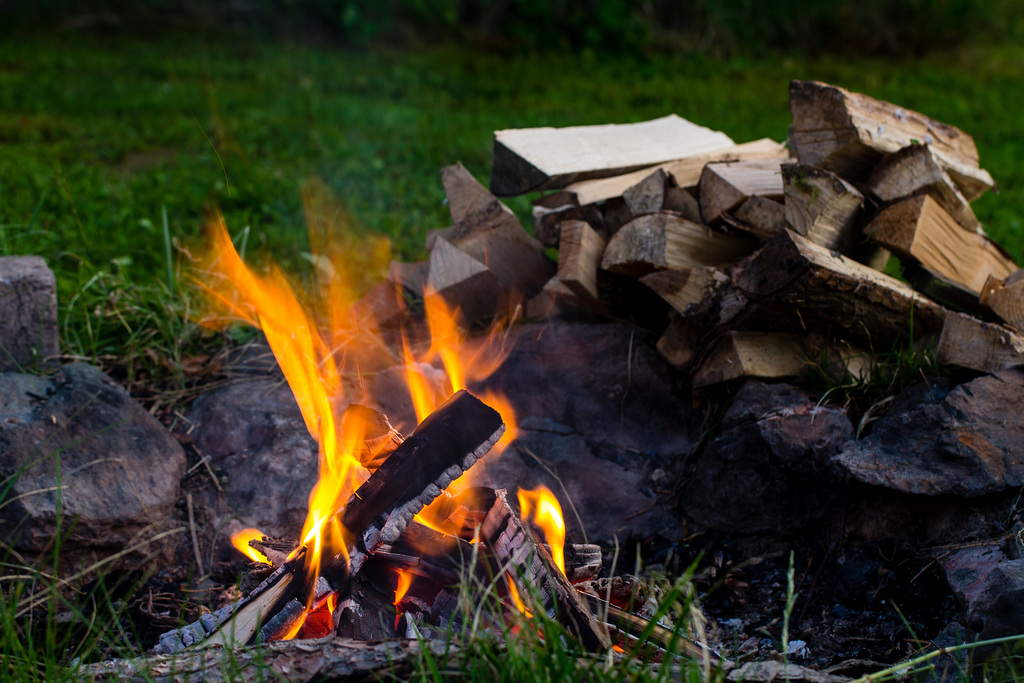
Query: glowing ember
401, 588
241, 542
541, 508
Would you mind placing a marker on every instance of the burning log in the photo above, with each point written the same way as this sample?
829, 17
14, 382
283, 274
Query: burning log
533, 572
449, 441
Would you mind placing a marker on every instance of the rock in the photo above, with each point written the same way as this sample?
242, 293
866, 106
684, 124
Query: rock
769, 469
600, 412
257, 442
118, 469
967, 571
769, 671
967, 442
999, 608
28, 313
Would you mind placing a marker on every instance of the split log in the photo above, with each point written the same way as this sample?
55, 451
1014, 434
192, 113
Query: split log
534, 573
515, 258
822, 207
830, 289
918, 227
764, 355
627, 629
758, 215
662, 241
382, 307
685, 171
848, 133
579, 257
1006, 298
554, 300
678, 344
546, 221
472, 207
410, 276
967, 342
916, 170
430, 239
725, 185
376, 438
941, 289
683, 289
531, 159
463, 282
648, 195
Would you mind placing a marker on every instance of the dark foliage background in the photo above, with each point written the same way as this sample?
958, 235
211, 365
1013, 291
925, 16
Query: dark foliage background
875, 27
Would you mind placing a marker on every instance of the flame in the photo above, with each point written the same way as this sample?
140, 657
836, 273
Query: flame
325, 347
241, 542
513, 593
541, 508
401, 588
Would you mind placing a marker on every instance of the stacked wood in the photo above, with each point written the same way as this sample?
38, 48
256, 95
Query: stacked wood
822, 207
725, 185
765, 355
579, 257
1006, 298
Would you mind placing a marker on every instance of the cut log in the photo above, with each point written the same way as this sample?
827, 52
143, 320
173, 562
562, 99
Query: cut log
431, 237
515, 258
375, 438
848, 133
917, 227
409, 276
534, 574
822, 207
942, 290
678, 343
648, 195
662, 241
1006, 299
473, 208
554, 300
683, 289
829, 289
724, 185
546, 221
967, 342
463, 282
758, 215
915, 170
763, 355
532, 159
579, 257
684, 171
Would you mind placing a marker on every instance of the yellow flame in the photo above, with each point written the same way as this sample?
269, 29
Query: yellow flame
541, 508
241, 542
516, 600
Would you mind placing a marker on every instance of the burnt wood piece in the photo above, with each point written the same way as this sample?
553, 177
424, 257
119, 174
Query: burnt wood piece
582, 561
848, 133
289, 616
685, 171
827, 288
276, 550
532, 159
823, 207
376, 438
533, 572
627, 629
919, 228
915, 170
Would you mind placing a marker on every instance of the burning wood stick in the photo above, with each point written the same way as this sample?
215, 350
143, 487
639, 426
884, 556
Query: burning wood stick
449, 441
534, 572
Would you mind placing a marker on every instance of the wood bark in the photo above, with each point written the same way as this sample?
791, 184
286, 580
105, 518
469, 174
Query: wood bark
683, 289
915, 170
758, 215
546, 222
829, 289
648, 195
662, 241
579, 257
849, 132
765, 355
532, 159
967, 342
919, 228
534, 573
685, 171
822, 207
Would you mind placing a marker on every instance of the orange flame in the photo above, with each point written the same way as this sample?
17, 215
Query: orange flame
241, 542
401, 588
323, 345
541, 508
513, 593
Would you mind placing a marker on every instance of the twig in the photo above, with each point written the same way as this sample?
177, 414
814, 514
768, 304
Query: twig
195, 538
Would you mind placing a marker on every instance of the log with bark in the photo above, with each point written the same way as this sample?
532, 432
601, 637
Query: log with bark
725, 185
579, 257
849, 132
763, 355
823, 207
1006, 298
532, 159
967, 342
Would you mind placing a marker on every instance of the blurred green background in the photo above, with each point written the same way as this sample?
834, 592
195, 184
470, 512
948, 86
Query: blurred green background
116, 115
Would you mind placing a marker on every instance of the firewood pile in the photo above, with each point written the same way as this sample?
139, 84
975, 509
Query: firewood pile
767, 258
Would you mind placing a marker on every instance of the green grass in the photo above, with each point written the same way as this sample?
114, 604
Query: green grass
98, 137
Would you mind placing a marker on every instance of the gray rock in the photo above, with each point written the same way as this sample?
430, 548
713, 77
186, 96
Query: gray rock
999, 609
600, 413
28, 313
769, 469
117, 469
256, 440
969, 442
